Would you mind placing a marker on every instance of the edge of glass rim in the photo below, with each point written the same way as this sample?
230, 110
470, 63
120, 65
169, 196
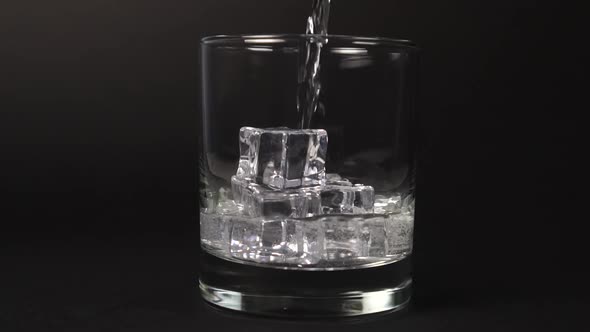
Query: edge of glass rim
287, 39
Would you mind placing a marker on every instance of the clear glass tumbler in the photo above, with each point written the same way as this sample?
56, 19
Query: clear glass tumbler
307, 218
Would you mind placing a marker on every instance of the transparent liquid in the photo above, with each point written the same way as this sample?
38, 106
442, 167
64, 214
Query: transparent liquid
317, 23
308, 99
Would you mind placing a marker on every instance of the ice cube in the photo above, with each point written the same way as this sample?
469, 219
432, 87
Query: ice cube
408, 205
342, 237
309, 239
275, 243
330, 177
249, 142
357, 199
237, 186
338, 237
245, 238
258, 201
364, 199
215, 229
399, 230
226, 205
283, 158
373, 235
337, 199
388, 204
262, 241
273, 234
337, 180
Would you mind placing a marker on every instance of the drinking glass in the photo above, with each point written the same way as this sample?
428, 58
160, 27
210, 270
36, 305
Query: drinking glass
309, 219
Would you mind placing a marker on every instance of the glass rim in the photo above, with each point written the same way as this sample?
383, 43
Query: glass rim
286, 39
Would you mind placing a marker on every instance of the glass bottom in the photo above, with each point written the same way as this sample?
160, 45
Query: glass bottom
300, 293
347, 304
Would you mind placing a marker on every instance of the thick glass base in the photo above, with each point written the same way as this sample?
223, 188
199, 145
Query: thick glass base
299, 293
344, 304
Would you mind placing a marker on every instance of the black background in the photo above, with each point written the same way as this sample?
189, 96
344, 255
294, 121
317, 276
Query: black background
99, 103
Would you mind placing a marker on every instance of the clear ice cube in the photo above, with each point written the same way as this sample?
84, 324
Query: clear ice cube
237, 186
283, 158
337, 180
369, 235
399, 231
388, 204
245, 238
226, 205
336, 199
357, 199
263, 241
336, 239
309, 239
364, 199
408, 205
258, 201
215, 229
249, 142
273, 234
373, 235
277, 241
342, 237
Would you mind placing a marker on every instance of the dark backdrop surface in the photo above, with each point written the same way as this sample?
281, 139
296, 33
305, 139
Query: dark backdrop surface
99, 105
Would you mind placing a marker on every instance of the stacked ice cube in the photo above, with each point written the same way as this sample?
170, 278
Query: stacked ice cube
281, 173
287, 209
